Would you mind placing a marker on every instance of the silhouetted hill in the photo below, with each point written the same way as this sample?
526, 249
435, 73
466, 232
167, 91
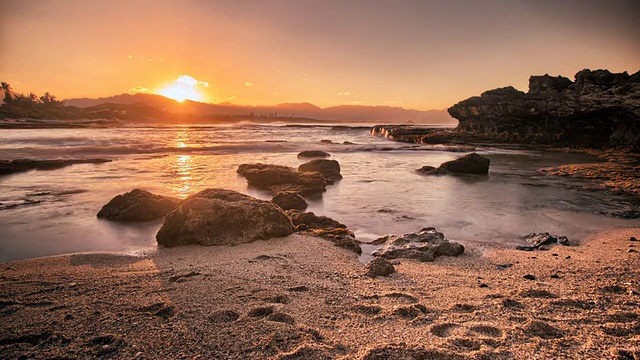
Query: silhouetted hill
357, 113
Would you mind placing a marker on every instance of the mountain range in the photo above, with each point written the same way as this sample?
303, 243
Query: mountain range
342, 113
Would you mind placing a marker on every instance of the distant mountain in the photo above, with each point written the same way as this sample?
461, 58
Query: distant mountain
343, 113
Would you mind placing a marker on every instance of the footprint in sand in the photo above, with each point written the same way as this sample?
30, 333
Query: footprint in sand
443, 330
282, 318
538, 294
260, 312
369, 310
402, 297
223, 316
463, 308
278, 299
485, 330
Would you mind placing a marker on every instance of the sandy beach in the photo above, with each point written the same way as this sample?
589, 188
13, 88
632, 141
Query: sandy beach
300, 297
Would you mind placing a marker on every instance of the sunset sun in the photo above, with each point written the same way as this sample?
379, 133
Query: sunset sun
184, 88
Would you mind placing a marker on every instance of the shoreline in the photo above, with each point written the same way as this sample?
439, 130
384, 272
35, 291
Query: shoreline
301, 297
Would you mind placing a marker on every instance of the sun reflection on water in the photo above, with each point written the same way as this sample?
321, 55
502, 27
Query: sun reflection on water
183, 169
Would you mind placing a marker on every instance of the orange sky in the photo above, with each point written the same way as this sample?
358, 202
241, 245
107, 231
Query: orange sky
415, 53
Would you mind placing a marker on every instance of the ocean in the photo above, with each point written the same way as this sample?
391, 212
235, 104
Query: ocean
53, 212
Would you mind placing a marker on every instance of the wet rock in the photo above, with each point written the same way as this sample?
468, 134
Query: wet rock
425, 245
223, 217
536, 240
325, 228
430, 170
469, 164
289, 200
324, 141
313, 154
379, 267
21, 165
330, 169
137, 205
277, 178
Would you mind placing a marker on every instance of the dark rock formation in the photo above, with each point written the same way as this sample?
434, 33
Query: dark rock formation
21, 165
276, 178
425, 245
598, 109
536, 240
313, 154
330, 169
325, 228
223, 217
289, 200
472, 164
137, 205
379, 267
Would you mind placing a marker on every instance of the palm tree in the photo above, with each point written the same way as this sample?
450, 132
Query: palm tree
7, 91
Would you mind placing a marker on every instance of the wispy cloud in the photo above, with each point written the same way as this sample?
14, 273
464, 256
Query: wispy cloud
138, 89
248, 83
233, 97
346, 93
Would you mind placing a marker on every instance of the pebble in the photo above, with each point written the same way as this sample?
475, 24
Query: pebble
554, 254
632, 251
504, 266
633, 239
568, 257
555, 276
138, 354
529, 277
483, 285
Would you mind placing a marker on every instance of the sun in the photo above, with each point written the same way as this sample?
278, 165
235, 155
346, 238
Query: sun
184, 88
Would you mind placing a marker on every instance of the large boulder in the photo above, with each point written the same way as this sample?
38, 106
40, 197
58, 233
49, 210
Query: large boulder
330, 169
277, 178
223, 217
425, 245
468, 164
137, 205
288, 200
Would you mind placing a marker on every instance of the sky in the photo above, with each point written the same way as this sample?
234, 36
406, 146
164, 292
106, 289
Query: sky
419, 54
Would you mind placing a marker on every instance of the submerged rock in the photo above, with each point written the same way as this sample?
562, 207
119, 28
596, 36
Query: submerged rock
379, 267
473, 164
137, 205
313, 154
223, 217
276, 178
425, 245
330, 169
536, 240
21, 165
289, 200
325, 228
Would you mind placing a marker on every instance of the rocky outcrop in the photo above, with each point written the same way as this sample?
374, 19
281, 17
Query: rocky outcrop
8, 167
330, 169
472, 164
425, 245
313, 154
536, 240
289, 200
277, 178
598, 109
137, 205
326, 228
223, 217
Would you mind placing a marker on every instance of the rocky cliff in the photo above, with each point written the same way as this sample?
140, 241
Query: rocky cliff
599, 109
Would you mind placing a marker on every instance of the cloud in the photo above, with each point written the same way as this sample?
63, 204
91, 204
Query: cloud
231, 98
346, 93
248, 83
138, 89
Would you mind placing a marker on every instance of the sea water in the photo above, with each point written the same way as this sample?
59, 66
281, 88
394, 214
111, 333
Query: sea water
54, 212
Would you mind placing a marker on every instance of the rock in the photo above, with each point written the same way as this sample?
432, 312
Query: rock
536, 240
276, 178
430, 170
326, 142
288, 200
313, 154
137, 205
529, 277
325, 228
223, 217
632, 238
425, 245
379, 267
348, 143
330, 169
598, 109
21, 165
468, 164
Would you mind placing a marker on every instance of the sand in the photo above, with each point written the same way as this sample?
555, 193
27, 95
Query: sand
302, 298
